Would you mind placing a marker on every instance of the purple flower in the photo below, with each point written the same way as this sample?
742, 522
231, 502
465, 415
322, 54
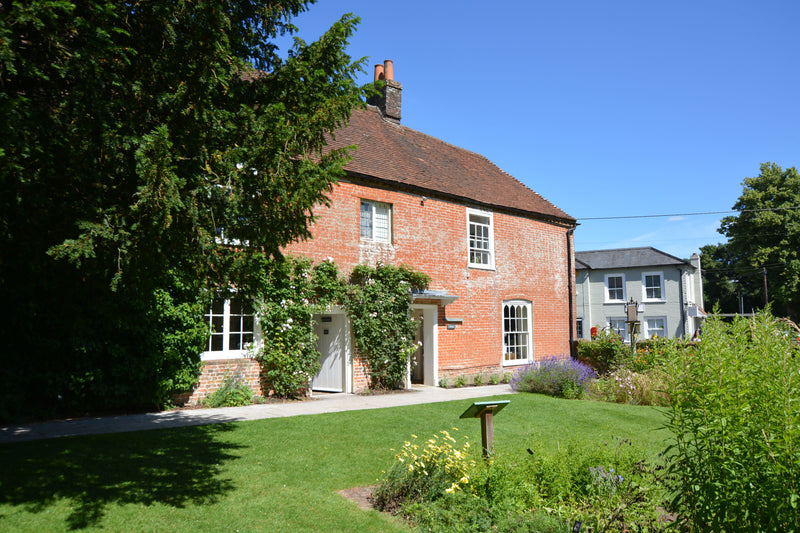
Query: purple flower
562, 377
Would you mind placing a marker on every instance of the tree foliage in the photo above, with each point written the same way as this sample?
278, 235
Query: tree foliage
139, 140
764, 237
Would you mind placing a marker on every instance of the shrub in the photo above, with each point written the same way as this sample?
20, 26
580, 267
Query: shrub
494, 379
604, 352
232, 393
627, 386
461, 381
563, 378
653, 353
607, 487
425, 472
735, 417
444, 382
478, 379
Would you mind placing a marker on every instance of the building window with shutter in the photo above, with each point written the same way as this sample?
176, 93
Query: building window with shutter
376, 221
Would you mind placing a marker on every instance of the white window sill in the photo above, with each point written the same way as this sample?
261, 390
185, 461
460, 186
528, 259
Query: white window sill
481, 267
516, 362
221, 356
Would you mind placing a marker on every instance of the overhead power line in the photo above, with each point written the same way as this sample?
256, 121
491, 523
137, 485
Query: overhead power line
694, 214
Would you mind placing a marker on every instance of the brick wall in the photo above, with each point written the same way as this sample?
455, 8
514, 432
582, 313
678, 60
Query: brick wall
213, 373
530, 264
432, 236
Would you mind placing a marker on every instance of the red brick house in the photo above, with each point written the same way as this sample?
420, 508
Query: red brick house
500, 256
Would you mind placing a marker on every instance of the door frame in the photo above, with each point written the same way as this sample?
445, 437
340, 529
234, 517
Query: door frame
430, 347
347, 359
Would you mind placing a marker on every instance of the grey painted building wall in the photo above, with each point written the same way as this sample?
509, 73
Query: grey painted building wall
668, 290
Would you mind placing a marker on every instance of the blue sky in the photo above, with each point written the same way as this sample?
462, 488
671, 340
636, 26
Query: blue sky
606, 109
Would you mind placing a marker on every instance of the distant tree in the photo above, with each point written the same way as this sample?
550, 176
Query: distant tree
137, 138
764, 237
727, 286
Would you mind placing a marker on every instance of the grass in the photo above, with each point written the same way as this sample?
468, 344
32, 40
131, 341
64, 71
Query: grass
270, 475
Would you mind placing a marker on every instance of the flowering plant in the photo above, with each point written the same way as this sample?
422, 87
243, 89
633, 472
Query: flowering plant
564, 378
378, 301
292, 292
426, 471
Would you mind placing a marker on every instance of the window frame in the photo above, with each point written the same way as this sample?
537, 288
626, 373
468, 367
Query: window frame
623, 320
578, 328
528, 321
373, 208
661, 287
646, 333
491, 248
607, 290
226, 352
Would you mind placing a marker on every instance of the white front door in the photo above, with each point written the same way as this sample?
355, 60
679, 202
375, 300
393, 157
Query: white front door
418, 359
331, 343
427, 356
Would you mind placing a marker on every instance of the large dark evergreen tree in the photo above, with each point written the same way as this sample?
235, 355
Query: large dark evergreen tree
134, 135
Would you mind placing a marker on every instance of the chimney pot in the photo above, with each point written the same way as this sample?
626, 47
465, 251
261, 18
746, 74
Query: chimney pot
389, 97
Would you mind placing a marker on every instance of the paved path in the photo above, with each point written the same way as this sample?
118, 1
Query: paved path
320, 403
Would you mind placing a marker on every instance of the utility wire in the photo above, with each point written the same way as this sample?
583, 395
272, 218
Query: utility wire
694, 214
745, 270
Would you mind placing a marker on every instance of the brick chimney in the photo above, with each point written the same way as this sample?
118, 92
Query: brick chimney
389, 100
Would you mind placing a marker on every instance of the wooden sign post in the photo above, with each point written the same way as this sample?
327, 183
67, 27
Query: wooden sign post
485, 411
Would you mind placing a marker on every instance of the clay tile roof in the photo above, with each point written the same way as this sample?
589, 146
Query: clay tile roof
392, 153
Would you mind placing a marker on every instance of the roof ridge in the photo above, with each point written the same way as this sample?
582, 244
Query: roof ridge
396, 153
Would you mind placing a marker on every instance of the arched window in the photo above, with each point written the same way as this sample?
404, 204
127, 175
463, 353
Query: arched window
517, 337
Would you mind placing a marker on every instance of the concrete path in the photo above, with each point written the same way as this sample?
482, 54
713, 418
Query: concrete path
320, 403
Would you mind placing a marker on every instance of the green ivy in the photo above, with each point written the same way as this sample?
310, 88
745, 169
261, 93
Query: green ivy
289, 295
290, 291
378, 302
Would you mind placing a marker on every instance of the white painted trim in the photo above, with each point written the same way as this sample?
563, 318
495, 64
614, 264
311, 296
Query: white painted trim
430, 321
644, 287
349, 370
531, 355
491, 264
373, 205
646, 331
625, 336
608, 300
258, 338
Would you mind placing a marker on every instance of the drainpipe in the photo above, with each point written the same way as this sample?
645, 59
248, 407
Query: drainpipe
684, 305
570, 276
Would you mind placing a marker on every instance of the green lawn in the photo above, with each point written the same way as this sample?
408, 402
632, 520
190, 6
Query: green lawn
269, 475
